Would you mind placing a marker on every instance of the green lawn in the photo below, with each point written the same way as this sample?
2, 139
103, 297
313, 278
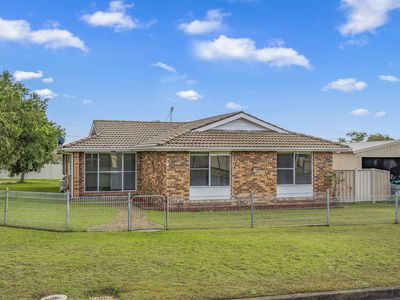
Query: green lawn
345, 214
205, 264
32, 185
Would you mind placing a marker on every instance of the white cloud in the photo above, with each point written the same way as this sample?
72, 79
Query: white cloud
164, 67
20, 31
360, 112
380, 114
212, 23
189, 95
346, 85
366, 15
191, 81
68, 96
46, 93
115, 17
361, 42
27, 75
244, 49
87, 101
234, 106
48, 80
390, 78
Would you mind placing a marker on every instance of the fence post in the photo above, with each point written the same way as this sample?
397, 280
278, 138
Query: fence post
328, 210
166, 213
129, 212
396, 212
251, 210
6, 209
67, 212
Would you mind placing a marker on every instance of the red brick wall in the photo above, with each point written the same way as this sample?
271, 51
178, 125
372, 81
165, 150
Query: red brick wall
177, 174
244, 181
152, 173
322, 167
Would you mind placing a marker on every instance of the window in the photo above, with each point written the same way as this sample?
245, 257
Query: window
209, 169
294, 168
110, 172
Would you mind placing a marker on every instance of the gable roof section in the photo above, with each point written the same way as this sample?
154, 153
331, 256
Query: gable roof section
368, 146
242, 115
199, 134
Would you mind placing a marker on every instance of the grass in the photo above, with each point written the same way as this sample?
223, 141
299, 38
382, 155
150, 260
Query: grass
210, 264
32, 185
359, 213
51, 213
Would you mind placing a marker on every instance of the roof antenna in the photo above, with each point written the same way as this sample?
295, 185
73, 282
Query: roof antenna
171, 111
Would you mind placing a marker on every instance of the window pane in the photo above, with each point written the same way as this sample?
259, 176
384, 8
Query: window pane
129, 162
303, 169
199, 178
111, 162
220, 166
91, 182
110, 182
129, 181
285, 160
285, 176
91, 162
199, 160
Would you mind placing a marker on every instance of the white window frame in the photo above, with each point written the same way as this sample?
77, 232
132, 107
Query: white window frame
98, 172
210, 154
293, 168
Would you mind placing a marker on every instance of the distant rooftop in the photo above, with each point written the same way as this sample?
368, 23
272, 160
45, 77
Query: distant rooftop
356, 147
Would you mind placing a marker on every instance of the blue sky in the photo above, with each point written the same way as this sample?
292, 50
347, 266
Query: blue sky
319, 67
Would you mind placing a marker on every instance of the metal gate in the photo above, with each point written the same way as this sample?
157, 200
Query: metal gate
147, 212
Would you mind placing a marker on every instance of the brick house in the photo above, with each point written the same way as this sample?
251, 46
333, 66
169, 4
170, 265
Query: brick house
214, 158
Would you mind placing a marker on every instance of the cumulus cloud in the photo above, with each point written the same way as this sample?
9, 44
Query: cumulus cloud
360, 112
27, 75
87, 101
366, 15
346, 85
389, 78
189, 95
244, 49
115, 17
48, 80
234, 106
46, 93
380, 114
20, 31
165, 67
212, 23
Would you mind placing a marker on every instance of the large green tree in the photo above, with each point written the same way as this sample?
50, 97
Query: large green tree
28, 138
379, 137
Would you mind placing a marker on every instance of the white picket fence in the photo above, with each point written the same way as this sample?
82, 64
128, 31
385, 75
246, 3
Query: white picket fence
49, 171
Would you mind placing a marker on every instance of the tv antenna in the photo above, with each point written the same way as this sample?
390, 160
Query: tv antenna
171, 112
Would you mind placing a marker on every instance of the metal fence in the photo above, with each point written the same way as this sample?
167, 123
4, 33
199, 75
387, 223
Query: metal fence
55, 211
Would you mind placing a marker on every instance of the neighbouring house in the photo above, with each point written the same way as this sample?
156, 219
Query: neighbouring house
214, 158
382, 155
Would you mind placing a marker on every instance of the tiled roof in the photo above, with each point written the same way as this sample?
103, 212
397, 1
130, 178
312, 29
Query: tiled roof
250, 140
129, 134
136, 135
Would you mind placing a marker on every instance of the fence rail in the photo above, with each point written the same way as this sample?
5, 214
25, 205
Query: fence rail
60, 212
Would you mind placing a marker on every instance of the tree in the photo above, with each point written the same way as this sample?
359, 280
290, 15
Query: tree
356, 137
27, 138
379, 137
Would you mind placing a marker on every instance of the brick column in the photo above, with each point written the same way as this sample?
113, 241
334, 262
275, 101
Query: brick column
77, 185
177, 174
322, 168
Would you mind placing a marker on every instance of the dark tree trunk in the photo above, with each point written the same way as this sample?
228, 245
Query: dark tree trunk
22, 180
